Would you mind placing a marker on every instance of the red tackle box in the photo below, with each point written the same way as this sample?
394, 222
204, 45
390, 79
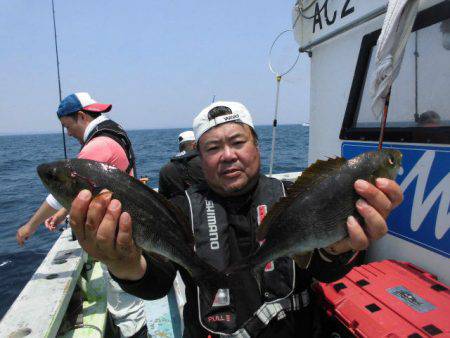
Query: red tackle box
388, 299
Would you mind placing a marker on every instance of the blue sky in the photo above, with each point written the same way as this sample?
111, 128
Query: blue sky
158, 62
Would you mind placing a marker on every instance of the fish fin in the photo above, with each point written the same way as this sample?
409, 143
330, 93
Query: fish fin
316, 172
311, 176
302, 260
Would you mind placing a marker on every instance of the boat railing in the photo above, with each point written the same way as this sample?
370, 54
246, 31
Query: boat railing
290, 176
39, 309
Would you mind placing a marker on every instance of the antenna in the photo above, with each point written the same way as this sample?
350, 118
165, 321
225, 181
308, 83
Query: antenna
280, 70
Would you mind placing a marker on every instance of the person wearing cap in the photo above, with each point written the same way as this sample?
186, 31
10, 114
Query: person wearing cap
102, 140
183, 170
428, 118
224, 215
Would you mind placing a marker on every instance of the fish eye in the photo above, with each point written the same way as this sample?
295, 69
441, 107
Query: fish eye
391, 160
49, 175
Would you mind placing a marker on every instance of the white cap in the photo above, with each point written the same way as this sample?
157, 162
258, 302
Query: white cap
185, 136
220, 112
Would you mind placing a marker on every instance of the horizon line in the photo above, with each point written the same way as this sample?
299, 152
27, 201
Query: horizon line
48, 132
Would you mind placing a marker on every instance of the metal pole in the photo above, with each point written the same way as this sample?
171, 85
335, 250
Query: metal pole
59, 79
416, 61
274, 126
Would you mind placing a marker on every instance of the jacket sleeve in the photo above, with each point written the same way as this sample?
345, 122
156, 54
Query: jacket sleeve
163, 184
156, 282
170, 181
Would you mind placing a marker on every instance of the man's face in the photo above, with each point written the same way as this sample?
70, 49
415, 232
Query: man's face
230, 158
75, 128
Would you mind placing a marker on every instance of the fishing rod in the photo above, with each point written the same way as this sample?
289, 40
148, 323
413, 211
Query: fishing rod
59, 78
383, 120
397, 26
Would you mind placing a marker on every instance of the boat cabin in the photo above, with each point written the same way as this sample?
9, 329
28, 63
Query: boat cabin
341, 38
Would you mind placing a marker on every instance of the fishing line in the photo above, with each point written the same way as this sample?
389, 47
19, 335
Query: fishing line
280, 65
59, 78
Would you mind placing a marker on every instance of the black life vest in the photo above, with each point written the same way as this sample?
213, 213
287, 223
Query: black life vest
215, 242
184, 156
189, 172
113, 130
188, 168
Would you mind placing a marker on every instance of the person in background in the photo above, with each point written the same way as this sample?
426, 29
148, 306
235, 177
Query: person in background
232, 204
102, 140
183, 170
428, 119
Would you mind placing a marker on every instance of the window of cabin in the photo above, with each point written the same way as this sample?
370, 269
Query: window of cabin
419, 109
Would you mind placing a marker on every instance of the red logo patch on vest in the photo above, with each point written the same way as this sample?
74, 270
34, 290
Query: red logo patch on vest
262, 212
269, 266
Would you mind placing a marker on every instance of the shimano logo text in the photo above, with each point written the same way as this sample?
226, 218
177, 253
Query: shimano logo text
231, 117
212, 225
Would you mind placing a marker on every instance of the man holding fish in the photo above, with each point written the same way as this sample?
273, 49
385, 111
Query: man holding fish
261, 291
104, 140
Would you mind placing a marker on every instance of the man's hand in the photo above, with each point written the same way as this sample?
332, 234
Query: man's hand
95, 222
23, 233
375, 206
53, 221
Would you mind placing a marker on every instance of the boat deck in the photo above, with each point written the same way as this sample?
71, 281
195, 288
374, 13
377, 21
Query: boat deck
48, 306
